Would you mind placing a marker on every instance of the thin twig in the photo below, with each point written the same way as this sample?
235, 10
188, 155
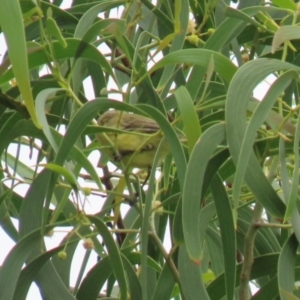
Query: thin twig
166, 256
248, 252
273, 225
108, 185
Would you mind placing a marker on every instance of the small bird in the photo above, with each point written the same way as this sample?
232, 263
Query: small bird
133, 140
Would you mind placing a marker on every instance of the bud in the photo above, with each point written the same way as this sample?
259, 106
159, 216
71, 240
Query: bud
245, 57
158, 207
88, 244
193, 39
210, 31
87, 191
191, 27
50, 233
261, 29
62, 255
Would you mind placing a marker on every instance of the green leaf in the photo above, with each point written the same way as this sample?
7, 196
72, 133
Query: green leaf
192, 190
134, 284
54, 30
114, 255
188, 113
227, 230
235, 114
288, 4
265, 265
259, 116
286, 265
285, 33
75, 49
41, 99
29, 273
11, 22
11, 267
223, 66
293, 197
191, 278
165, 284
64, 172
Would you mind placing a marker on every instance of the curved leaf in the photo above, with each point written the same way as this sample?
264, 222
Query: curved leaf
192, 190
235, 114
11, 22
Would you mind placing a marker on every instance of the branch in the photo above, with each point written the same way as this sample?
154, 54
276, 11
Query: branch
248, 252
166, 256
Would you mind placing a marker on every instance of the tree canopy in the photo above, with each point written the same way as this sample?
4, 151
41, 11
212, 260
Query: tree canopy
220, 80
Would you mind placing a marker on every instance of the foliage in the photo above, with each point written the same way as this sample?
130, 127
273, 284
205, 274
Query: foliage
228, 197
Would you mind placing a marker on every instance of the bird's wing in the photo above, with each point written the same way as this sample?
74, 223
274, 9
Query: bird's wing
143, 125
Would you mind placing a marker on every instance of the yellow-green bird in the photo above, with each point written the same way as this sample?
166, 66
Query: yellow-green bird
133, 141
